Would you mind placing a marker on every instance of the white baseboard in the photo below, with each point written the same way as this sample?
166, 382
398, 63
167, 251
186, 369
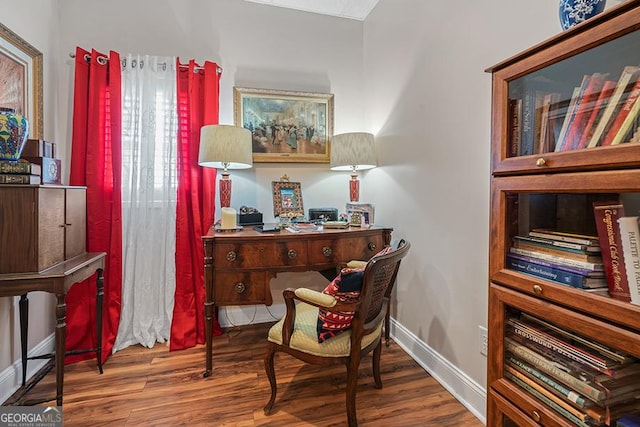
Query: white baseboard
11, 377
472, 395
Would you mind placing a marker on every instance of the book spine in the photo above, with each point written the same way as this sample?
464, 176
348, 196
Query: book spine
557, 251
581, 271
553, 405
628, 124
606, 215
557, 346
558, 243
564, 391
550, 368
515, 113
607, 90
559, 260
630, 234
546, 393
628, 74
7, 167
19, 179
549, 273
580, 239
583, 110
627, 110
562, 137
528, 117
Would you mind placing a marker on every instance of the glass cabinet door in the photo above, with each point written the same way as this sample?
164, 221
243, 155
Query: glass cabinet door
568, 99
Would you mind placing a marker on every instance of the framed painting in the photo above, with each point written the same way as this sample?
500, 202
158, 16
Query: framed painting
21, 79
287, 199
285, 126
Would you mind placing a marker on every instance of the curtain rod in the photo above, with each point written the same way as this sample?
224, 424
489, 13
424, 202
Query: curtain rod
87, 58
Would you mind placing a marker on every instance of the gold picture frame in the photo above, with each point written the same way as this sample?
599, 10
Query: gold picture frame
286, 126
21, 79
287, 199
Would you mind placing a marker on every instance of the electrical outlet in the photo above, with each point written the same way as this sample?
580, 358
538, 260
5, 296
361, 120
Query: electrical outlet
483, 340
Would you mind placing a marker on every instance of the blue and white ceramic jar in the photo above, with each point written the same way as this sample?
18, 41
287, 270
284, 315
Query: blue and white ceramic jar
14, 129
573, 12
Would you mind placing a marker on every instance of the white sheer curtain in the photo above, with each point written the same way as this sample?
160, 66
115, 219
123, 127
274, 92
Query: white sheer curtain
149, 182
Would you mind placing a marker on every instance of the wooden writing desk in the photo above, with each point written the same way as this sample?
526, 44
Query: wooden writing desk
56, 280
239, 265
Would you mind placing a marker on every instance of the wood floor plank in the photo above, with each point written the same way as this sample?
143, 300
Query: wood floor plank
155, 387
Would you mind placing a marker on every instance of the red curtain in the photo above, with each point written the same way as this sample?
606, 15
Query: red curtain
198, 93
96, 164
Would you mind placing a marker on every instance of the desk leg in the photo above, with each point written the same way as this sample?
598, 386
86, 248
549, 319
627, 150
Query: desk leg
61, 335
99, 311
24, 333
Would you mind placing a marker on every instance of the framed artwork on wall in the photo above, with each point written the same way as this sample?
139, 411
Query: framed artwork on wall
286, 126
287, 198
21, 79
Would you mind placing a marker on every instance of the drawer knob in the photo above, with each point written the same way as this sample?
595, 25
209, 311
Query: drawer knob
292, 254
327, 251
537, 289
231, 256
541, 162
239, 287
372, 246
536, 416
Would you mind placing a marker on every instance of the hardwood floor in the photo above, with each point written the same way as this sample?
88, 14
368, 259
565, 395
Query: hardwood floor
155, 387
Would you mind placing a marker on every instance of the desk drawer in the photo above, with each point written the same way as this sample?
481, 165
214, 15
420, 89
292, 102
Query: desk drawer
360, 248
242, 288
324, 251
260, 254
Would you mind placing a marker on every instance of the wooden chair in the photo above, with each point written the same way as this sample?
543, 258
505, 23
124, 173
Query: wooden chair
296, 333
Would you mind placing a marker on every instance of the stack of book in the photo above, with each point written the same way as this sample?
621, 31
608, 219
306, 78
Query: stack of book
20, 172
564, 258
582, 380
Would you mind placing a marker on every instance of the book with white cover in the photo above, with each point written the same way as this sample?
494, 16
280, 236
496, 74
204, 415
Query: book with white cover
630, 234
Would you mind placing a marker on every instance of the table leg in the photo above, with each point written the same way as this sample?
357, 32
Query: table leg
99, 310
61, 334
24, 334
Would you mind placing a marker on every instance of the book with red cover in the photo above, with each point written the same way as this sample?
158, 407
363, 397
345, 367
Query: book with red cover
606, 215
574, 104
585, 106
603, 98
625, 82
627, 110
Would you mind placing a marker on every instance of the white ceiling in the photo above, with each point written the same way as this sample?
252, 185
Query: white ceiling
351, 9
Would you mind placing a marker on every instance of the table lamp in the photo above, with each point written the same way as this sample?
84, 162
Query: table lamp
353, 151
226, 147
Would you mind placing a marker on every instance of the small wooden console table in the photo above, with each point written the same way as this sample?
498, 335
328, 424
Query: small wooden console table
56, 280
239, 265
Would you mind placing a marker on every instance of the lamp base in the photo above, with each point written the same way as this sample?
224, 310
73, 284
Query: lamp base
225, 191
354, 188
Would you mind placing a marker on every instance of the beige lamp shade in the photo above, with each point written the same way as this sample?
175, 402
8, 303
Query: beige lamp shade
353, 151
225, 146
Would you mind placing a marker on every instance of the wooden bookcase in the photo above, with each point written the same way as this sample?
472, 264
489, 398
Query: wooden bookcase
535, 186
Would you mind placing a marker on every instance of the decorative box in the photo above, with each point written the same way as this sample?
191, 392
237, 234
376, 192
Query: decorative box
51, 169
324, 214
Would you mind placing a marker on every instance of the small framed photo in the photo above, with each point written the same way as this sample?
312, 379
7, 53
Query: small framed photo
286, 126
287, 199
363, 211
